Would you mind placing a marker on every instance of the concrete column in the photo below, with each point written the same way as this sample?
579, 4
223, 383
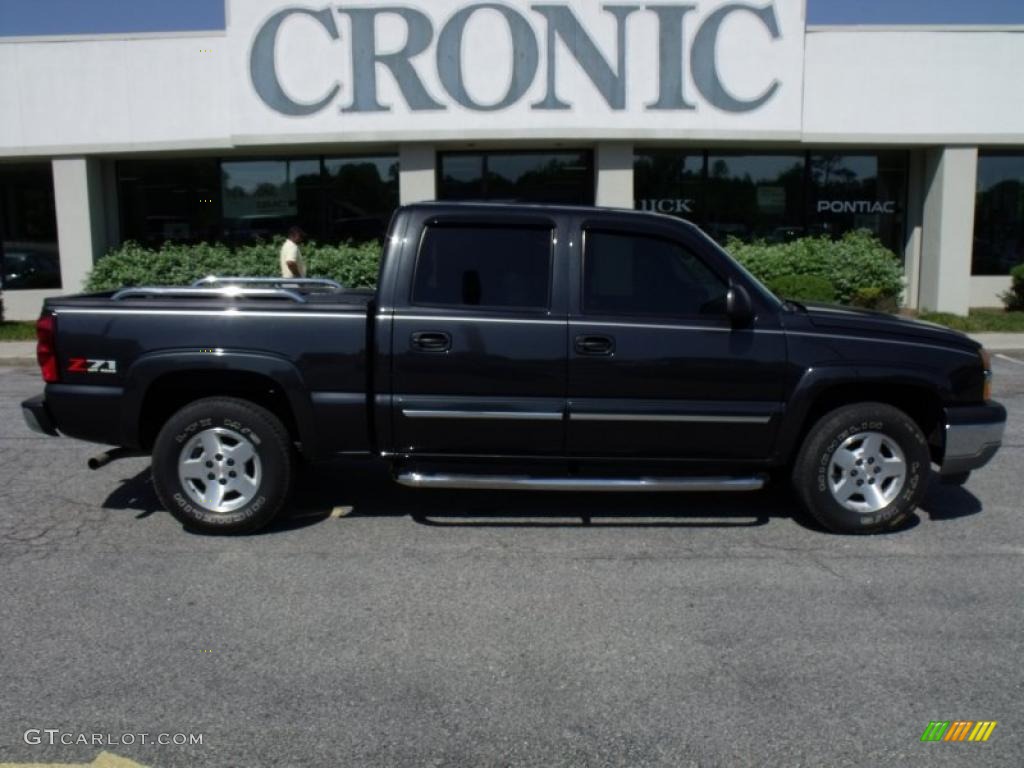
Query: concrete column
613, 163
81, 222
915, 229
111, 203
948, 229
417, 173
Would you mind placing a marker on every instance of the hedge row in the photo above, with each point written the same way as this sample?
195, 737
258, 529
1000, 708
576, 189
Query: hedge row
1014, 298
354, 266
856, 269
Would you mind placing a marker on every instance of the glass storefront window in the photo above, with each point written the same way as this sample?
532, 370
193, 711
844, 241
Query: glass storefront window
754, 197
263, 198
859, 191
362, 193
29, 255
777, 197
999, 214
175, 201
670, 181
563, 177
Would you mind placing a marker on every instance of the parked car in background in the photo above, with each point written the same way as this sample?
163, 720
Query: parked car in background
29, 265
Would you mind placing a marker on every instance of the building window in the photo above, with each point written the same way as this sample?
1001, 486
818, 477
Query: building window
29, 255
563, 178
859, 191
484, 267
176, 201
754, 197
264, 198
362, 193
335, 199
670, 181
777, 197
999, 214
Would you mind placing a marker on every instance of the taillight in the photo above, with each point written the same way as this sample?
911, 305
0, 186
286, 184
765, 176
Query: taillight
46, 347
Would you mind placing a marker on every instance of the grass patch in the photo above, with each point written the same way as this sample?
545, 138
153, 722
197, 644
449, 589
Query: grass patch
18, 331
979, 321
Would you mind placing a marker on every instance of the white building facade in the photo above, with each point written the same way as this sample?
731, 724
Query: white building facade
735, 115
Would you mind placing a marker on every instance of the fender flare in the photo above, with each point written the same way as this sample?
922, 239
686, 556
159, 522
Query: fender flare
816, 380
149, 368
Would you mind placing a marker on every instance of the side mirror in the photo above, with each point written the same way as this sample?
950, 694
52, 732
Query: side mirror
739, 307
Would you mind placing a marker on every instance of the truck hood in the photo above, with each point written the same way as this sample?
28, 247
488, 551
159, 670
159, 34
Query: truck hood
866, 322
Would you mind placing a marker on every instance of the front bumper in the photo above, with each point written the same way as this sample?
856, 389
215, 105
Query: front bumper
37, 417
973, 435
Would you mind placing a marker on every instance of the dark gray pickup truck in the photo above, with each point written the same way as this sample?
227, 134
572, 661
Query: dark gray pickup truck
519, 347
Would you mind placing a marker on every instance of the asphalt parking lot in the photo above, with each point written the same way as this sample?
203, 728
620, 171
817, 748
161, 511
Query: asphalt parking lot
379, 626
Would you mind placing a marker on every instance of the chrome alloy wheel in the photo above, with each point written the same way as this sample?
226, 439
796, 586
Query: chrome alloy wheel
867, 472
220, 470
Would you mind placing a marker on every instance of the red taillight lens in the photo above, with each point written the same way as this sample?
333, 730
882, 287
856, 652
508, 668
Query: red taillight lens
46, 348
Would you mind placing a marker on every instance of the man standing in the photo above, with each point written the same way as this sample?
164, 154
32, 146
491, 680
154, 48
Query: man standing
292, 264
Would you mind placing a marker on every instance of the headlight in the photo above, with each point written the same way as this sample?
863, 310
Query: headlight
986, 363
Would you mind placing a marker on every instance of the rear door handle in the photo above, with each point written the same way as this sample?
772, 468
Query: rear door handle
431, 341
601, 346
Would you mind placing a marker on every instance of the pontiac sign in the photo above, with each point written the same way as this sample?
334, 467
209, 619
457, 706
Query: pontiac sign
669, 67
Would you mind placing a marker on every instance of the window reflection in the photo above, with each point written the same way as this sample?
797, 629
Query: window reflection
28, 228
565, 178
362, 193
263, 198
777, 197
999, 214
859, 191
755, 197
169, 201
670, 182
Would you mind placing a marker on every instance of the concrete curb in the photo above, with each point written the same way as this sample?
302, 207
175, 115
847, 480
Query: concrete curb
17, 353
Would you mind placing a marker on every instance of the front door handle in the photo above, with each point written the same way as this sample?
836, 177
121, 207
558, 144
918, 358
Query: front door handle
431, 341
600, 346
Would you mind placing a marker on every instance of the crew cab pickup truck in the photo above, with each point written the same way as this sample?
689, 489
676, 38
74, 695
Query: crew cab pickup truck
519, 347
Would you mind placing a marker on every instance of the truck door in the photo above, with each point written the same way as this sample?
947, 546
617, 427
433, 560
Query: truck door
479, 342
655, 368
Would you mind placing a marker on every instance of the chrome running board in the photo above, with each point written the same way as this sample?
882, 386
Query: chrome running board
622, 485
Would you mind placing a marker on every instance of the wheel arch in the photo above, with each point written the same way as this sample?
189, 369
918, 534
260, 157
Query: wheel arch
161, 384
821, 391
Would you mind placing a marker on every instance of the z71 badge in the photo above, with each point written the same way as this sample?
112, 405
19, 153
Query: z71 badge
82, 365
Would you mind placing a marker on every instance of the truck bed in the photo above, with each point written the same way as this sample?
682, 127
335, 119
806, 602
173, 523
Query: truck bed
320, 346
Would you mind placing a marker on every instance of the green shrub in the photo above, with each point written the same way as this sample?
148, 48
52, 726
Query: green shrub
852, 265
803, 288
1014, 298
354, 266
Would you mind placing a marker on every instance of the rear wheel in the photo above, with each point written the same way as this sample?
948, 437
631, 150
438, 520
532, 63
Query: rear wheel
223, 465
863, 468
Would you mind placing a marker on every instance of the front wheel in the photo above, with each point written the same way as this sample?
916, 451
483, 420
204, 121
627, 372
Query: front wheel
862, 468
223, 465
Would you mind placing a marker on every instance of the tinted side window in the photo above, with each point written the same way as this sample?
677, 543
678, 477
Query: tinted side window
484, 267
638, 275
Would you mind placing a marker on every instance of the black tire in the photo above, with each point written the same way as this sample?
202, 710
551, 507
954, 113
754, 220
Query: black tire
272, 480
811, 472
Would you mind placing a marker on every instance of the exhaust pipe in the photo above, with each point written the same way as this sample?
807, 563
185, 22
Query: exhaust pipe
115, 454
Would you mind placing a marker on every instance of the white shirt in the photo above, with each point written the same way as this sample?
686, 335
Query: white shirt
290, 252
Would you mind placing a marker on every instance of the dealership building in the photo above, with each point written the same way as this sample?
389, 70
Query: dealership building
744, 117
